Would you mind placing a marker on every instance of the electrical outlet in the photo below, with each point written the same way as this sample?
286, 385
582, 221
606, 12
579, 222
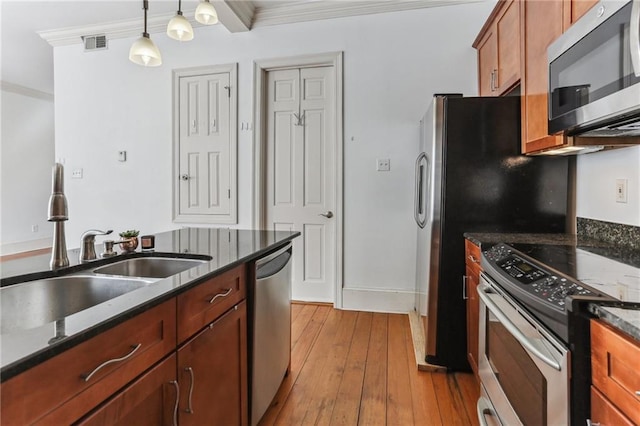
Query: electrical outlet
76, 174
383, 165
621, 190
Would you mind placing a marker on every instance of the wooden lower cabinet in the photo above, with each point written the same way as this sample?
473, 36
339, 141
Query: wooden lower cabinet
472, 279
150, 400
212, 373
614, 374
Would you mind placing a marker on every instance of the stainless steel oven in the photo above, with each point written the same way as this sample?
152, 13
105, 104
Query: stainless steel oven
524, 369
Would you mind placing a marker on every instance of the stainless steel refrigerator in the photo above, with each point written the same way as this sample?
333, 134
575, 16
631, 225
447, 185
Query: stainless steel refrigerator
470, 177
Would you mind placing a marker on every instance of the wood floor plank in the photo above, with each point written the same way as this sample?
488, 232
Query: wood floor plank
321, 406
347, 406
399, 404
470, 390
308, 333
296, 308
446, 402
373, 410
299, 324
458, 401
303, 392
423, 394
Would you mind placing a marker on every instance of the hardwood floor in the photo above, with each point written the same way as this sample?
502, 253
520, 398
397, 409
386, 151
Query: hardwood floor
358, 368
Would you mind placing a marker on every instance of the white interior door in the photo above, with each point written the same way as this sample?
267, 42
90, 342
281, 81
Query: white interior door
205, 145
301, 174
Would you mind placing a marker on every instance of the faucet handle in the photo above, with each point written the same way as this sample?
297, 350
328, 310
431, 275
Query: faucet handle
94, 232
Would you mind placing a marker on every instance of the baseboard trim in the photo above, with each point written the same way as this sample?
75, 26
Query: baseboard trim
370, 300
417, 335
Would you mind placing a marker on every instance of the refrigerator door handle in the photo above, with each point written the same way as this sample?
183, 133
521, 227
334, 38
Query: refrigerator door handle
419, 210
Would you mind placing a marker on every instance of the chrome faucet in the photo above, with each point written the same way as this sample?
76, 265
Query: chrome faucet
87, 248
58, 213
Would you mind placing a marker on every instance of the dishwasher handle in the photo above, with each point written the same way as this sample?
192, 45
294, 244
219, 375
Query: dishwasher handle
273, 263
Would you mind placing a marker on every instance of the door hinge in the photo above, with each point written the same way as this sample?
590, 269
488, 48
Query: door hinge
229, 193
228, 90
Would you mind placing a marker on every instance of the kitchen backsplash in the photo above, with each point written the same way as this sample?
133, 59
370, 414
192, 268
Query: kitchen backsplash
623, 236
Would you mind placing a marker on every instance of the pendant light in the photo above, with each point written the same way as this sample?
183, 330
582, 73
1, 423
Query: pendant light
206, 14
144, 51
179, 27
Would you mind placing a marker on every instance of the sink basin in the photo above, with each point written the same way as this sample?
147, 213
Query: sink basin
149, 267
35, 303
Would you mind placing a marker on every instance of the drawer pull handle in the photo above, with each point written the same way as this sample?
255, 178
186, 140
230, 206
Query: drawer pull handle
472, 258
189, 408
223, 294
87, 377
175, 406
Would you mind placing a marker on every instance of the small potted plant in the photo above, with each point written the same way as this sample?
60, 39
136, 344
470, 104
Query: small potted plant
129, 241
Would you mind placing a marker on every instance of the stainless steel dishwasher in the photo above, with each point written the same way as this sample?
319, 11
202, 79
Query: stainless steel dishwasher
271, 352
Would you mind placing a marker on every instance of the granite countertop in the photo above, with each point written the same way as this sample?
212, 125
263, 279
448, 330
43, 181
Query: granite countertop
223, 249
625, 316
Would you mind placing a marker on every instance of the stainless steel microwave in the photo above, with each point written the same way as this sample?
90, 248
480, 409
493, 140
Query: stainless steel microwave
594, 73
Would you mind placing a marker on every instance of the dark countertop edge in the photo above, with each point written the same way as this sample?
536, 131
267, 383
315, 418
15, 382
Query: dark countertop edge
603, 312
11, 370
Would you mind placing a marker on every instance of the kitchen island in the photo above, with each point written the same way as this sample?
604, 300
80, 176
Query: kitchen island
166, 320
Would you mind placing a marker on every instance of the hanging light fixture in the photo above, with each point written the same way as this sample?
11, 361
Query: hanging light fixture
179, 27
206, 14
144, 51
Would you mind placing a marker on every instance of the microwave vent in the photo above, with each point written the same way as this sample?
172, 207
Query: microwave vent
94, 42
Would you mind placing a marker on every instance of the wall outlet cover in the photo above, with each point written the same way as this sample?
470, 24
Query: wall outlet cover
383, 165
76, 174
621, 191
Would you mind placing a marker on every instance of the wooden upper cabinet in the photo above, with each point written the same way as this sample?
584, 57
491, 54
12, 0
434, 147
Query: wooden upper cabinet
574, 9
541, 24
498, 47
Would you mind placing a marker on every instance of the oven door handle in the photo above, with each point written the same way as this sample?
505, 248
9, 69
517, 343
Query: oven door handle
514, 330
484, 408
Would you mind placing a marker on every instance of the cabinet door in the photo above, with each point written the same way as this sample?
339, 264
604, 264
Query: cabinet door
579, 8
604, 413
212, 372
508, 38
150, 400
473, 312
542, 23
488, 64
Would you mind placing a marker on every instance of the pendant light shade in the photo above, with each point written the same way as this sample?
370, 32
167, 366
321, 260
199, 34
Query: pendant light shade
144, 51
206, 14
179, 27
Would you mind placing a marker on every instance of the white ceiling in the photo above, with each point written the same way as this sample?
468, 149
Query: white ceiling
27, 59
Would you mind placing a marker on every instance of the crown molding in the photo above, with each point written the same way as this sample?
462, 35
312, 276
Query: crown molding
236, 16
317, 10
5, 86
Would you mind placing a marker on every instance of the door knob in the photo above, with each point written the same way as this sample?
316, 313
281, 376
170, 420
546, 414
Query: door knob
328, 214
184, 177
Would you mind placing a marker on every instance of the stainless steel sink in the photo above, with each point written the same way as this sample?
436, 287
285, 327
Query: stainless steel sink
35, 303
149, 267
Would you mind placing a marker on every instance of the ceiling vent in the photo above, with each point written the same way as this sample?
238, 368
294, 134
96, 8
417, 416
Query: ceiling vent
95, 42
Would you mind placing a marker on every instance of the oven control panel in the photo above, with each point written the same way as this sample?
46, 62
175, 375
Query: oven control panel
533, 279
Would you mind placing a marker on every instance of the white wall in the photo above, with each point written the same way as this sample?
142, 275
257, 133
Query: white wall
27, 157
596, 185
393, 63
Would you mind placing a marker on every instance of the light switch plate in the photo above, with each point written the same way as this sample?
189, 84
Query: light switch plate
122, 156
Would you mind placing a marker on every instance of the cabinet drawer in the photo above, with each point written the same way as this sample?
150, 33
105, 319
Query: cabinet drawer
207, 301
63, 388
614, 362
472, 256
604, 413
